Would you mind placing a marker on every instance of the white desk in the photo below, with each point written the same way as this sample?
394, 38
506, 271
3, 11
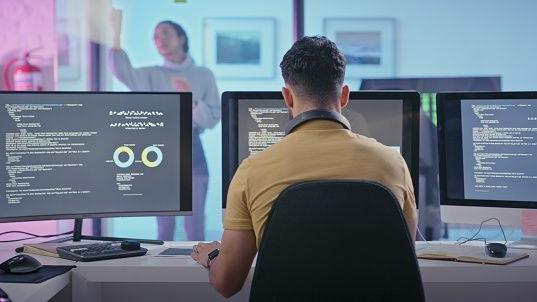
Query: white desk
153, 278
30, 292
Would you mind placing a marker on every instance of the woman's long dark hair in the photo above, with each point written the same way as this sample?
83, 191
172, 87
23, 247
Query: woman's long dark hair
179, 30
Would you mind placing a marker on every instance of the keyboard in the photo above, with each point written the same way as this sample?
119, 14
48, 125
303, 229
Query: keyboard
97, 251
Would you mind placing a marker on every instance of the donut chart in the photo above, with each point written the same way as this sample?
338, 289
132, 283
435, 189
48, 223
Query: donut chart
149, 163
123, 164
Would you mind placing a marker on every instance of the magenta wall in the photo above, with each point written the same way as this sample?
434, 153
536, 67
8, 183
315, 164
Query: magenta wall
28, 24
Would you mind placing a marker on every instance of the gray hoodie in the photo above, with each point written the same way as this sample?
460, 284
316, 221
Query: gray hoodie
206, 113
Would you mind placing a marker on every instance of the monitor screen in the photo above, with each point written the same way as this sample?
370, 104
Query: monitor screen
72, 155
488, 149
253, 121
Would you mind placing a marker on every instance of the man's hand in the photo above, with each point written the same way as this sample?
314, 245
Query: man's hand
200, 251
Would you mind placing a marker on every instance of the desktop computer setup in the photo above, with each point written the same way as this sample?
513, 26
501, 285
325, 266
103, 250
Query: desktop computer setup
75, 155
487, 143
252, 121
131, 152
487, 147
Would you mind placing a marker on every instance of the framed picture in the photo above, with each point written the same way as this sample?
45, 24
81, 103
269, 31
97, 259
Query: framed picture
368, 45
240, 47
69, 52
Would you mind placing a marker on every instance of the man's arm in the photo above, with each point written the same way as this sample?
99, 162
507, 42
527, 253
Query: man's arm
412, 227
229, 270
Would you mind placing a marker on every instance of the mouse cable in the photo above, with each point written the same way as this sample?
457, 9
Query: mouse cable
421, 235
30, 234
473, 238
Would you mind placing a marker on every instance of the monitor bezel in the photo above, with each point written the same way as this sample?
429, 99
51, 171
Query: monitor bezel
185, 161
230, 99
419, 82
441, 100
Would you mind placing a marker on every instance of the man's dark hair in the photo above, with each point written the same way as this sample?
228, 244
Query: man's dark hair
315, 68
179, 30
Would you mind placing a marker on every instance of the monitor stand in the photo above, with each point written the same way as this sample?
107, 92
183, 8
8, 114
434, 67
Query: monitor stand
77, 236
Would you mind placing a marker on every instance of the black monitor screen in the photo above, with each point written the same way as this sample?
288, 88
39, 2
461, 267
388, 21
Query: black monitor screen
70, 155
255, 121
488, 149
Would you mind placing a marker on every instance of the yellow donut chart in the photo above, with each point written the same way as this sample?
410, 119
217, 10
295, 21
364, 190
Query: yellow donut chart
129, 161
146, 161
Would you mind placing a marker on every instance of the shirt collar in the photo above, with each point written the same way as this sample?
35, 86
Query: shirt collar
319, 125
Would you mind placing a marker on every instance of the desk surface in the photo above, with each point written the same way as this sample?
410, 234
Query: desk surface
38, 291
164, 269
178, 269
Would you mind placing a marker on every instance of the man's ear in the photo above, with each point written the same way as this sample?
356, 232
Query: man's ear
345, 94
288, 97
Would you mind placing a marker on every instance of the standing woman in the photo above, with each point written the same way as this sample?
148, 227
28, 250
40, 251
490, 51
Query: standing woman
178, 73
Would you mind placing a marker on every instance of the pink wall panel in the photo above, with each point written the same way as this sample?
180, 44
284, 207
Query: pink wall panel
25, 25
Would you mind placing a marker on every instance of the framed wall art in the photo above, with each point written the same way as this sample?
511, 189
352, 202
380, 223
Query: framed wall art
240, 47
368, 45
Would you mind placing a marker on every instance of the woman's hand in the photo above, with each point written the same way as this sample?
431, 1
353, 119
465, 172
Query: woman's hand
116, 19
181, 84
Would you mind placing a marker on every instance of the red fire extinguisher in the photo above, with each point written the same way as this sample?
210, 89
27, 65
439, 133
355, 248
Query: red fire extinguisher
26, 77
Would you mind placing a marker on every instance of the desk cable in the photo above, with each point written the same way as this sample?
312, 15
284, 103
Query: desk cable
475, 238
30, 234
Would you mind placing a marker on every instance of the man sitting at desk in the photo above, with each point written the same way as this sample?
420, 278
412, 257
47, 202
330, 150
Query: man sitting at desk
313, 71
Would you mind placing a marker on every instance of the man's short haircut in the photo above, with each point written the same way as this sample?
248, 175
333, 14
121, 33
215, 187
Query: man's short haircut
315, 68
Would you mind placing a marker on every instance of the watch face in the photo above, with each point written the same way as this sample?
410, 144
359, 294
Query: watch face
213, 254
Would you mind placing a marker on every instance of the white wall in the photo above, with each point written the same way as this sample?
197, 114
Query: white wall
75, 11
139, 20
450, 38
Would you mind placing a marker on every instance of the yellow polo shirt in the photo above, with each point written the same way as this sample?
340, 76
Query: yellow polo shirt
316, 150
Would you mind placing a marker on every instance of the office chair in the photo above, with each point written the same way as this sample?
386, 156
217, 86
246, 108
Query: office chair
336, 241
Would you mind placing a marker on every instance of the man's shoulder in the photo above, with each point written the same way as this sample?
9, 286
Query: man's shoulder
389, 155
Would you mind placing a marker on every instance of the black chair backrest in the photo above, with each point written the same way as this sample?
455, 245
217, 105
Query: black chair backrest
336, 241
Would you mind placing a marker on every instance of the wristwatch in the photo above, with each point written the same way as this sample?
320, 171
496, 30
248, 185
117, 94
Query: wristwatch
211, 256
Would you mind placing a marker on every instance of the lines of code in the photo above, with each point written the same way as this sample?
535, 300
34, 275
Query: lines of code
261, 125
500, 149
31, 140
268, 130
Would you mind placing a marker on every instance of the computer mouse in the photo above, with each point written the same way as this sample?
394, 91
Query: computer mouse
3, 296
21, 264
130, 245
496, 249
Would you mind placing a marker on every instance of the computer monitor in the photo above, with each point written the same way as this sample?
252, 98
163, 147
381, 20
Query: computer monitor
487, 144
253, 121
428, 158
94, 154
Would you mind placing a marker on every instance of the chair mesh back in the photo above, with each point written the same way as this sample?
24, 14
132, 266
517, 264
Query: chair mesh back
335, 241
